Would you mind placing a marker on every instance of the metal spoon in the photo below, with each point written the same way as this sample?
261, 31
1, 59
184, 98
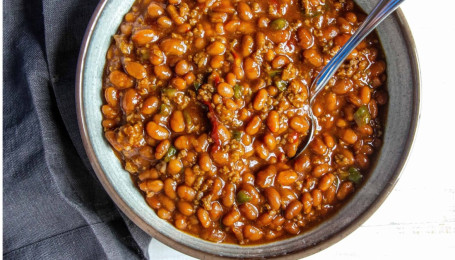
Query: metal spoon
379, 13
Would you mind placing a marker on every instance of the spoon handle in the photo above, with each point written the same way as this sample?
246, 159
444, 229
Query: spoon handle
379, 13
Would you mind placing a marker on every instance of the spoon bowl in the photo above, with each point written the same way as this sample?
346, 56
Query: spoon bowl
383, 9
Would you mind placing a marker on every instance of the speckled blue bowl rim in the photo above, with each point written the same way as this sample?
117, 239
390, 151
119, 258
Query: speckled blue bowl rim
118, 184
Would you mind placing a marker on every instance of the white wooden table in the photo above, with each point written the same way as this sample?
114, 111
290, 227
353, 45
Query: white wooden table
417, 221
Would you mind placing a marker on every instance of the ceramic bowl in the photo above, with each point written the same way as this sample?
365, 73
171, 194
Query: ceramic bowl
402, 115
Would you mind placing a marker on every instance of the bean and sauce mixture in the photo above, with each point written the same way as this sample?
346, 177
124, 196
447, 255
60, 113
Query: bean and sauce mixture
205, 102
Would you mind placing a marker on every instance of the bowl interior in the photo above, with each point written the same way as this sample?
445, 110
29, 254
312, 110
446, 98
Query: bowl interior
403, 87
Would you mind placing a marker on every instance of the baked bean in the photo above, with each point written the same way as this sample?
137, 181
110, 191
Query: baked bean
185, 208
326, 181
154, 10
162, 72
270, 141
174, 14
264, 219
177, 122
329, 194
225, 90
320, 170
247, 45
345, 189
373, 108
365, 130
126, 29
173, 47
216, 48
252, 69
217, 211
246, 27
182, 67
205, 162
249, 211
313, 57
120, 79
135, 69
190, 177
260, 99
365, 95
151, 185
253, 126
318, 146
130, 100
150, 105
143, 37
299, 124
349, 136
293, 209
109, 112
153, 202
273, 198
280, 61
279, 36
316, 194
330, 32
287, 177
278, 221
182, 143
308, 202
343, 86
346, 158
186, 193
169, 188
157, 57
148, 174
232, 26
331, 102
179, 83
266, 177
156, 131
245, 12
306, 39
163, 213
180, 223
220, 157
164, 22
263, 22
355, 99
329, 140
253, 193
362, 160
291, 227
273, 121
111, 96
302, 164
261, 150
287, 196
162, 148
167, 203
231, 217
189, 78
228, 196
217, 61
252, 233
204, 217
174, 166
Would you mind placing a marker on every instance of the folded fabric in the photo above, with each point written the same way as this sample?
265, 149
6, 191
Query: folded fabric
53, 205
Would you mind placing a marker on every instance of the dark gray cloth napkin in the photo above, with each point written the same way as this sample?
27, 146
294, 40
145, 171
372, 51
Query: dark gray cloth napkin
53, 205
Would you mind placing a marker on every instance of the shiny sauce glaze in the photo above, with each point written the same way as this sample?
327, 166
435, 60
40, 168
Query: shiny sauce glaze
205, 102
